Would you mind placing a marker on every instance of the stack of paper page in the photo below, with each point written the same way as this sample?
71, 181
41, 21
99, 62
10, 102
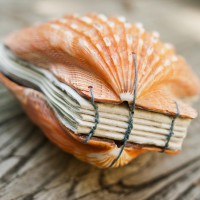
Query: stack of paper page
78, 114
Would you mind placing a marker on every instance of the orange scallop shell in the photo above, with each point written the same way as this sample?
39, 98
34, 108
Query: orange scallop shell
95, 50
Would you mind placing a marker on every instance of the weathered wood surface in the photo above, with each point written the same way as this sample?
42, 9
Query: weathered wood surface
33, 168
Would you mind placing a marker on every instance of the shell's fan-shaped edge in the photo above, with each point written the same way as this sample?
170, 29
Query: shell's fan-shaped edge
96, 50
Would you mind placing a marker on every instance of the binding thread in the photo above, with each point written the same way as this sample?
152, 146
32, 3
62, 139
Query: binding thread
171, 130
96, 115
131, 112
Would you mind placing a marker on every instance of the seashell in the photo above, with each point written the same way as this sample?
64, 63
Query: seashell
95, 50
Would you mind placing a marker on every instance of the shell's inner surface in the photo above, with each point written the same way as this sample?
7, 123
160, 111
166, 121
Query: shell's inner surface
76, 113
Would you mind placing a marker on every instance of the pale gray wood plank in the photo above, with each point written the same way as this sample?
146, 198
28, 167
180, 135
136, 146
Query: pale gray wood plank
33, 168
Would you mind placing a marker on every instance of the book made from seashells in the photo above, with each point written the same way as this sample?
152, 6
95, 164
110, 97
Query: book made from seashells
100, 88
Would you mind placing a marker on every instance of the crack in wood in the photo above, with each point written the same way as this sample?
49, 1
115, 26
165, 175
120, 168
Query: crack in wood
22, 162
17, 135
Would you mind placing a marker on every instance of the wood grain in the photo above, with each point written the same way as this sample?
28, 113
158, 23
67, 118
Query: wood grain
33, 168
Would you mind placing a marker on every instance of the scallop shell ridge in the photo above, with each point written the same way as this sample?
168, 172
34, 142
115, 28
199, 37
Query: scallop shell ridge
101, 48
